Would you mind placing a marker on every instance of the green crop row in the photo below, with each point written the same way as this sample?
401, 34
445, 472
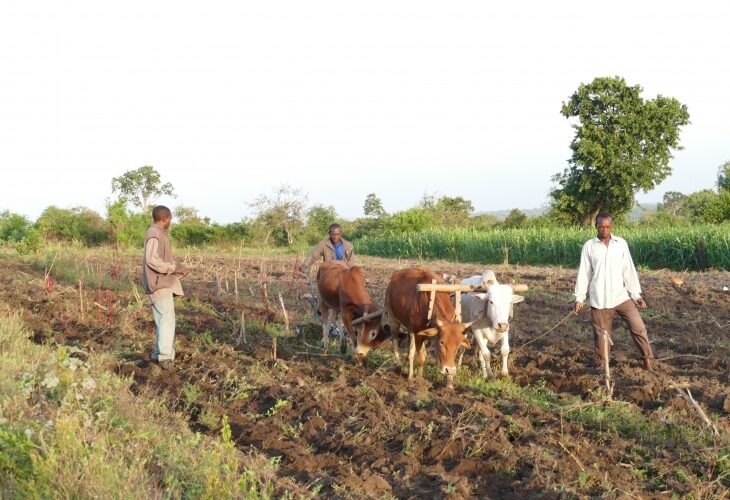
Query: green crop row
691, 247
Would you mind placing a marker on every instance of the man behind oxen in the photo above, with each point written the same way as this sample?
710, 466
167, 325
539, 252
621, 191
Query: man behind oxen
332, 248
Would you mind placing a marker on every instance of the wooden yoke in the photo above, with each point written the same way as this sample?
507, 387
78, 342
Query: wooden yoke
433, 297
457, 289
435, 287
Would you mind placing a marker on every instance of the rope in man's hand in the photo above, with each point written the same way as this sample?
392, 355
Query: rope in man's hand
565, 318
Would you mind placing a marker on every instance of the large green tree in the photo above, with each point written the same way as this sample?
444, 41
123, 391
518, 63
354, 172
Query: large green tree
453, 211
141, 187
373, 207
622, 144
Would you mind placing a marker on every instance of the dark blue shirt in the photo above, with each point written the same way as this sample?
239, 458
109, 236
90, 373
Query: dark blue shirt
339, 251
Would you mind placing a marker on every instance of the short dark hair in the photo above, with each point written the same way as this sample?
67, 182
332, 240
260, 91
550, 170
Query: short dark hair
333, 227
603, 215
160, 212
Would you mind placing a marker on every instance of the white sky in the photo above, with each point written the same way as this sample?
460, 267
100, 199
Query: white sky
229, 99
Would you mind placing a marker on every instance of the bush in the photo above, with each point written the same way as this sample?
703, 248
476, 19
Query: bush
125, 228
192, 233
31, 242
76, 224
13, 227
516, 218
412, 220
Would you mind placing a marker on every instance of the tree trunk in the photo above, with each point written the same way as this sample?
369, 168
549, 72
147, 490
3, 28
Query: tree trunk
589, 220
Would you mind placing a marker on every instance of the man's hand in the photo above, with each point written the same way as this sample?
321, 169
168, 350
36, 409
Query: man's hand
640, 303
577, 307
181, 270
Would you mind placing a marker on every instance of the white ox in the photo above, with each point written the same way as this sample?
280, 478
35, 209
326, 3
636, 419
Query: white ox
491, 312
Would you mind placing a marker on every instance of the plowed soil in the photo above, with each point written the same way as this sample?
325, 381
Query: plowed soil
343, 430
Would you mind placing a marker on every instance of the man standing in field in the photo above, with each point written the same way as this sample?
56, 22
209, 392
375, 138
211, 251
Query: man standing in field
608, 276
332, 248
161, 282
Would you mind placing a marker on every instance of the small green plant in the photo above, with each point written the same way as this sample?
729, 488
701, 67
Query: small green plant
204, 340
408, 445
292, 431
190, 394
367, 393
449, 488
236, 388
428, 431
208, 418
403, 423
280, 403
513, 428
583, 479
423, 404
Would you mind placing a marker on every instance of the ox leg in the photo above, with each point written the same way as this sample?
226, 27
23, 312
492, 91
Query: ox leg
485, 356
394, 332
342, 335
505, 353
411, 355
421, 349
325, 329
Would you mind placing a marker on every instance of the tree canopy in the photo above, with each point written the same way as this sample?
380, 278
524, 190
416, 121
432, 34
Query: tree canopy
622, 144
373, 207
723, 176
141, 187
283, 211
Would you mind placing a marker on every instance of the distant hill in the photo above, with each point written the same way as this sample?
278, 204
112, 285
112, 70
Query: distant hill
636, 214
502, 214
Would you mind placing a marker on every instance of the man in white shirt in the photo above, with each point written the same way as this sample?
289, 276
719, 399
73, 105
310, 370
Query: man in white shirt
608, 276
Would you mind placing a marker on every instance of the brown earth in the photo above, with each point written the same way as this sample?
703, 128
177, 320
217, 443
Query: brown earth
349, 431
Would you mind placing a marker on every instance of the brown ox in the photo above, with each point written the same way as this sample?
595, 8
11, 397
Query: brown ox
342, 290
406, 306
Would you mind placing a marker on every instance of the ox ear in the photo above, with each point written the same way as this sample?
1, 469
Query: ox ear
516, 299
465, 343
428, 332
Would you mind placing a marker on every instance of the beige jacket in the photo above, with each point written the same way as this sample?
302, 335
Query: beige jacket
326, 251
158, 265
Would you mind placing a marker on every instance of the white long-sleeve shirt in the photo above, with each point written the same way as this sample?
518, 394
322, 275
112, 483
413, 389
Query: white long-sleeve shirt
606, 274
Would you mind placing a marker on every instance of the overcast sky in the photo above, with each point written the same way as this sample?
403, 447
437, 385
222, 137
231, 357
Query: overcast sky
228, 100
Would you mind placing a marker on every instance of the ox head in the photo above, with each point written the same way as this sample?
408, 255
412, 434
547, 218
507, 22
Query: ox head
498, 306
369, 333
449, 337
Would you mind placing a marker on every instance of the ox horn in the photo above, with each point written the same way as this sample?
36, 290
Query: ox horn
368, 316
519, 288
